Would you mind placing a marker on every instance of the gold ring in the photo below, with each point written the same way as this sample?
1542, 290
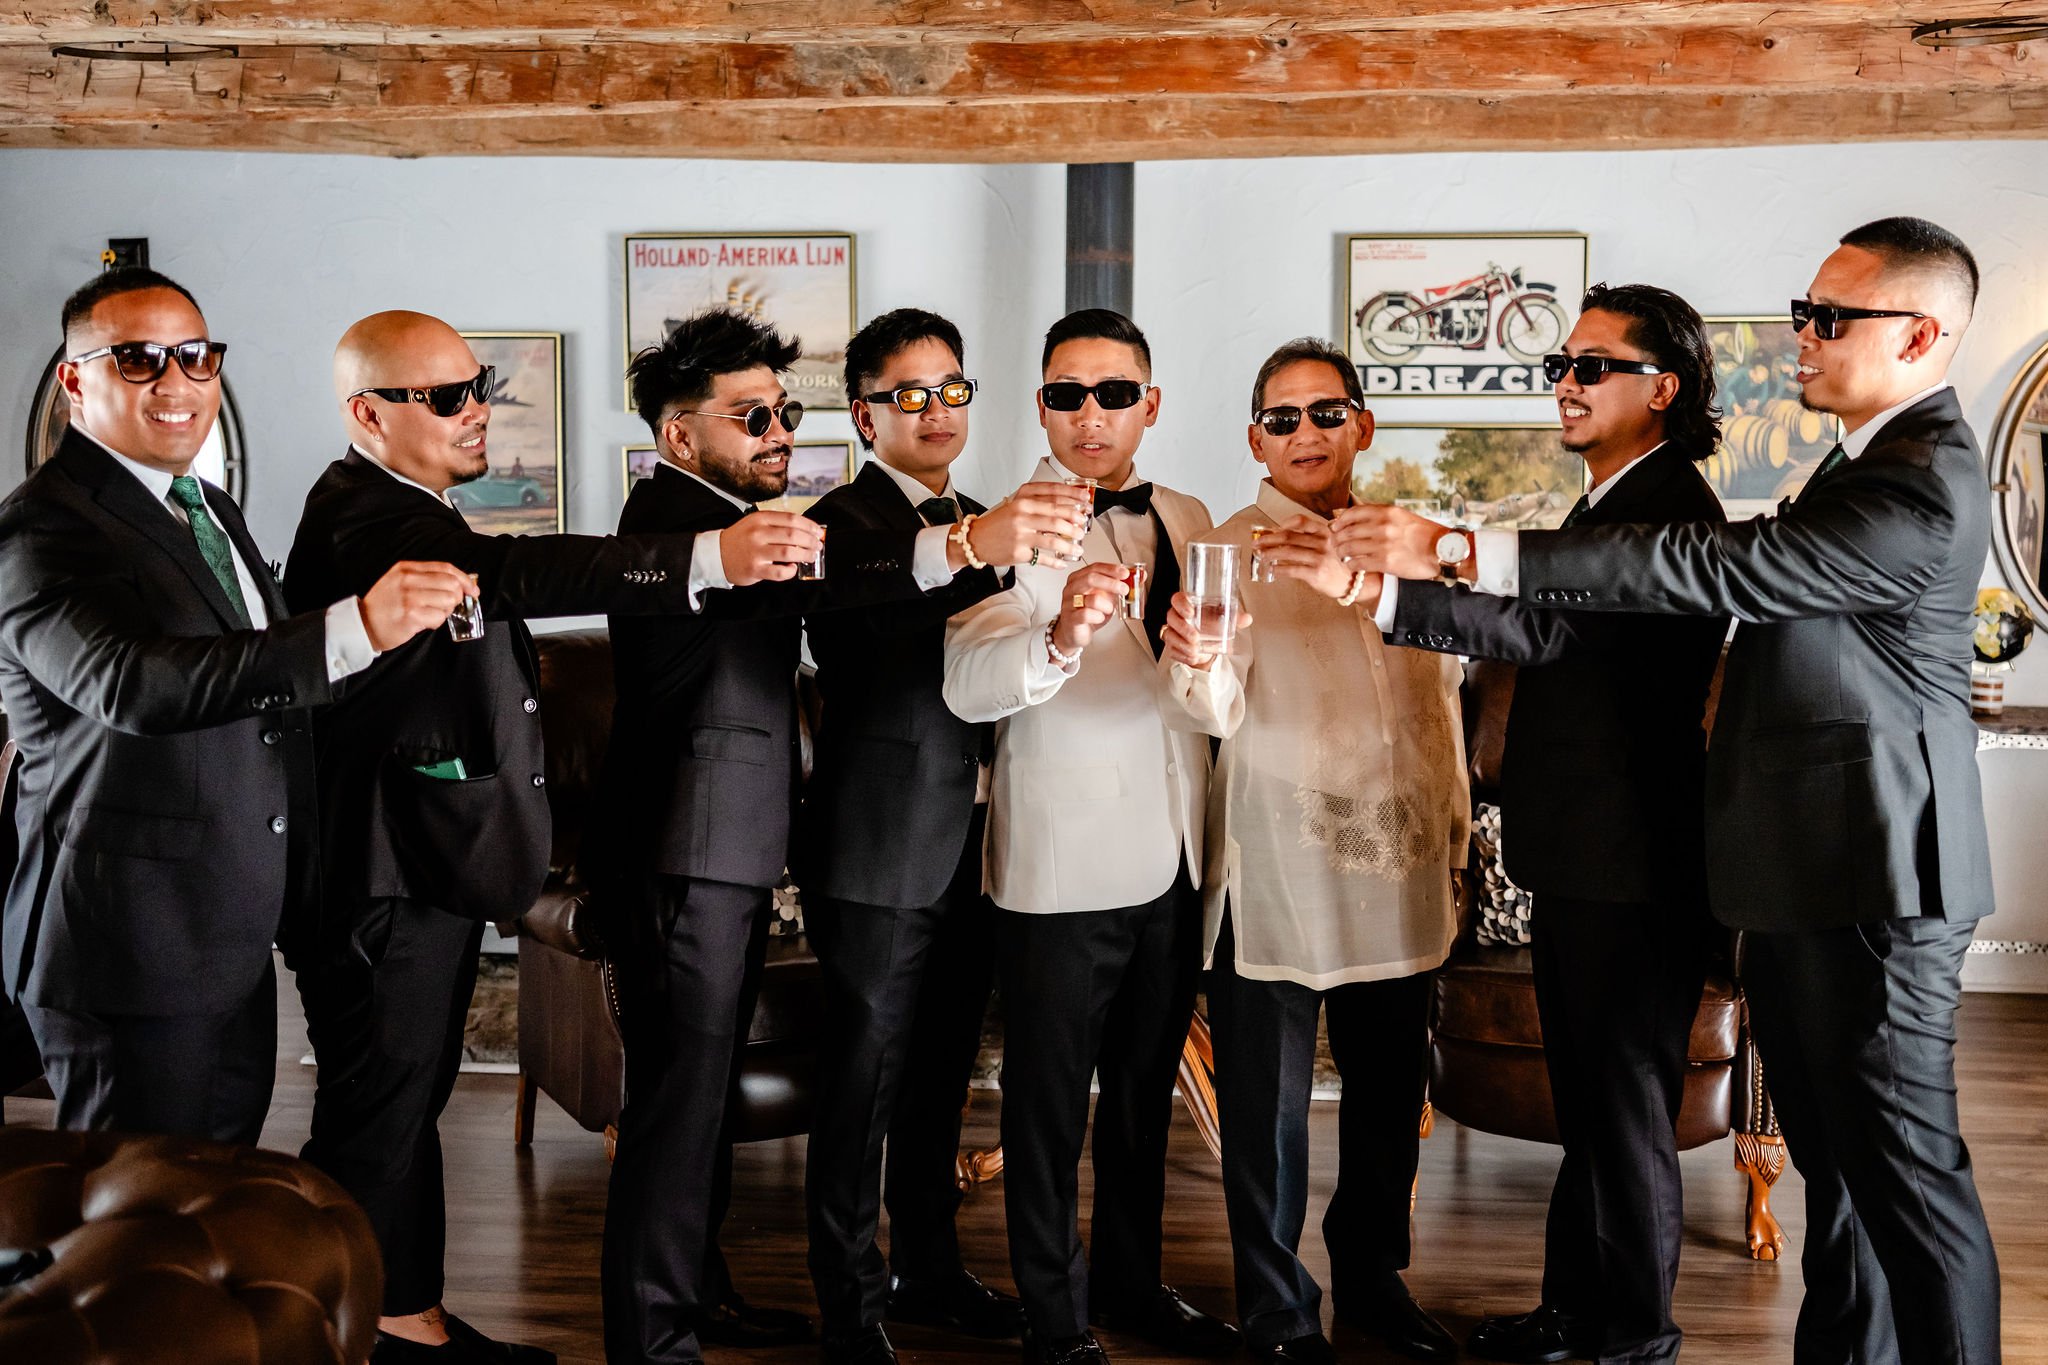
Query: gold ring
1080, 600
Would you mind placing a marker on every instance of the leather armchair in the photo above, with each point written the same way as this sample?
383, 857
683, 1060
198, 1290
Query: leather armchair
570, 1046
1486, 1046
118, 1250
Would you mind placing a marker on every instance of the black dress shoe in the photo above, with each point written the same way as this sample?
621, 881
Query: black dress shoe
1313, 1349
1401, 1325
1537, 1337
740, 1324
1081, 1350
1171, 1323
868, 1346
960, 1302
481, 1347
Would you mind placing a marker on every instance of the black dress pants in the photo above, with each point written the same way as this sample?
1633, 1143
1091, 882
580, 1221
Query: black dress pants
685, 1016
1856, 1027
1617, 989
1104, 993
200, 1075
1265, 1038
386, 1024
905, 991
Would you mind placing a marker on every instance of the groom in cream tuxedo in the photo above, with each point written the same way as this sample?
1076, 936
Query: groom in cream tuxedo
1094, 860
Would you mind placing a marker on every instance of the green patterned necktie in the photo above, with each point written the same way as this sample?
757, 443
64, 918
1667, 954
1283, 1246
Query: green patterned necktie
1578, 510
1834, 458
213, 542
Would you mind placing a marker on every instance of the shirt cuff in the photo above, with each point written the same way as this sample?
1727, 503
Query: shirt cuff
1383, 614
707, 567
1499, 558
928, 564
348, 640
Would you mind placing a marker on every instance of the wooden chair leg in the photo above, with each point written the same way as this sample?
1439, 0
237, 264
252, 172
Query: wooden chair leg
611, 1142
1761, 1157
1197, 1084
977, 1166
523, 1111
1427, 1127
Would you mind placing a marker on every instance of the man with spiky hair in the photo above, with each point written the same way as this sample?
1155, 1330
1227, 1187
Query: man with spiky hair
696, 798
1845, 822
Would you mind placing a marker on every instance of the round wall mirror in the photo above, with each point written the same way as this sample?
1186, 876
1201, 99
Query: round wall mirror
2019, 483
221, 459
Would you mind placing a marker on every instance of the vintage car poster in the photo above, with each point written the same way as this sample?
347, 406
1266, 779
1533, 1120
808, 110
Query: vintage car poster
801, 282
1460, 313
1510, 476
520, 492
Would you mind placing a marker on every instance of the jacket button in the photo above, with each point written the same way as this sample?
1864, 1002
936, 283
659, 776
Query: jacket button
271, 736
539, 781
259, 702
529, 706
969, 760
277, 824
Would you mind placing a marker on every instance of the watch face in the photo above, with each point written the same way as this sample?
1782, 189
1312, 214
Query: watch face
1452, 547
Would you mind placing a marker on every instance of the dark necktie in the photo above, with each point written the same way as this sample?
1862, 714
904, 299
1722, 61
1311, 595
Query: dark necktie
1571, 518
1165, 579
1137, 498
1832, 461
939, 511
213, 542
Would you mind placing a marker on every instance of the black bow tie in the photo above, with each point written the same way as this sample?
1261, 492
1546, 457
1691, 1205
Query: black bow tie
1137, 498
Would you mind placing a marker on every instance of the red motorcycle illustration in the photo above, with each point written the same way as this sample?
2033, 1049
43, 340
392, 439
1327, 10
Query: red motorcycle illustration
1394, 326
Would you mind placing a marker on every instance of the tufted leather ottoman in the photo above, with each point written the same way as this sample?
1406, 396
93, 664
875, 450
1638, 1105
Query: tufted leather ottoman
175, 1250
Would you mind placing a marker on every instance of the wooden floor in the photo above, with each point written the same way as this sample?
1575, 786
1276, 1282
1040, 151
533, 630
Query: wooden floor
523, 1240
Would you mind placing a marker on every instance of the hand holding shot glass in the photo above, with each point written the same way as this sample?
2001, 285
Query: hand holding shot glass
1092, 595
1041, 524
1300, 548
771, 545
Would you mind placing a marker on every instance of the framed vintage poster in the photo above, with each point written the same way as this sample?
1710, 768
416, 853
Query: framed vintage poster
1511, 476
1770, 443
638, 462
802, 282
521, 492
815, 469
1460, 313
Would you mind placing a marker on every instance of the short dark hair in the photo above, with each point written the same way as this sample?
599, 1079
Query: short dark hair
1669, 331
872, 347
109, 284
1308, 348
698, 350
1916, 244
1088, 324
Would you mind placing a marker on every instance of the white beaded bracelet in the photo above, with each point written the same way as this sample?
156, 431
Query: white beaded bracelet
1059, 657
959, 537
1350, 597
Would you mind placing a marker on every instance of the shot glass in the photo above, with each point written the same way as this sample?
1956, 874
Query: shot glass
1087, 486
1262, 572
814, 567
1136, 576
466, 622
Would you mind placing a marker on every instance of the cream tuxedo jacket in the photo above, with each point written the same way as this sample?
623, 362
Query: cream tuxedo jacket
1101, 777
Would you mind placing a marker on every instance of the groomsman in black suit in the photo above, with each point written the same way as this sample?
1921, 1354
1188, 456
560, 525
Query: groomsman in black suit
698, 792
1845, 823
891, 871
1602, 807
158, 693
433, 813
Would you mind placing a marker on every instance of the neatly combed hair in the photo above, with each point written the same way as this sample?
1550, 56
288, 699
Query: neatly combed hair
1916, 244
689, 360
1669, 331
1308, 348
1091, 324
873, 345
108, 284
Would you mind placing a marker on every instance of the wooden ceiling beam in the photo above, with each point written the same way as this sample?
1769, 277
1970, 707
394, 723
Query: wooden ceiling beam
1128, 129
700, 21
356, 84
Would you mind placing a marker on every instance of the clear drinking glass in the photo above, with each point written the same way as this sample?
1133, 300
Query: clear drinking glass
1210, 581
1136, 576
1087, 486
806, 570
1262, 572
466, 622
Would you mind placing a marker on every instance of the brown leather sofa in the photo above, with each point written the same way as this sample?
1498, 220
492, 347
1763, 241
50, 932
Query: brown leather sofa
119, 1250
569, 1042
1486, 1045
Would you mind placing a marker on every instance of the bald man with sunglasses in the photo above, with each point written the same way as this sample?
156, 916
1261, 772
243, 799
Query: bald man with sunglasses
159, 692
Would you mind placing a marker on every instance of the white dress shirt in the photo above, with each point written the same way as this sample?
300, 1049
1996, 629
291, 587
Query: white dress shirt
347, 640
1499, 552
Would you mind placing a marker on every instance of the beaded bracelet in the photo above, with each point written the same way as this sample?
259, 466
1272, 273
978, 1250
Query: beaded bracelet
1059, 657
1357, 586
958, 536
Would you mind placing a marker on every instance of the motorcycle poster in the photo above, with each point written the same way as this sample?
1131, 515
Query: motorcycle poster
1440, 314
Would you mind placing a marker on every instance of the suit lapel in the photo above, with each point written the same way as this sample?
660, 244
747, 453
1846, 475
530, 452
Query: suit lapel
1619, 503
885, 499
124, 496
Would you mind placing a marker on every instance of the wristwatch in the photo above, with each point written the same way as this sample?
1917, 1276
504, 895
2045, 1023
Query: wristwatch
1452, 549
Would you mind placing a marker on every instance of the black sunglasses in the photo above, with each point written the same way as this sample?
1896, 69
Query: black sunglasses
1111, 395
758, 418
140, 362
1285, 421
1591, 369
443, 400
1827, 318
954, 393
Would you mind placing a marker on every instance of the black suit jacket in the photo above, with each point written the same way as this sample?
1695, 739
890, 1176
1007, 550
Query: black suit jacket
1603, 772
166, 770
476, 847
1842, 775
893, 769
700, 778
